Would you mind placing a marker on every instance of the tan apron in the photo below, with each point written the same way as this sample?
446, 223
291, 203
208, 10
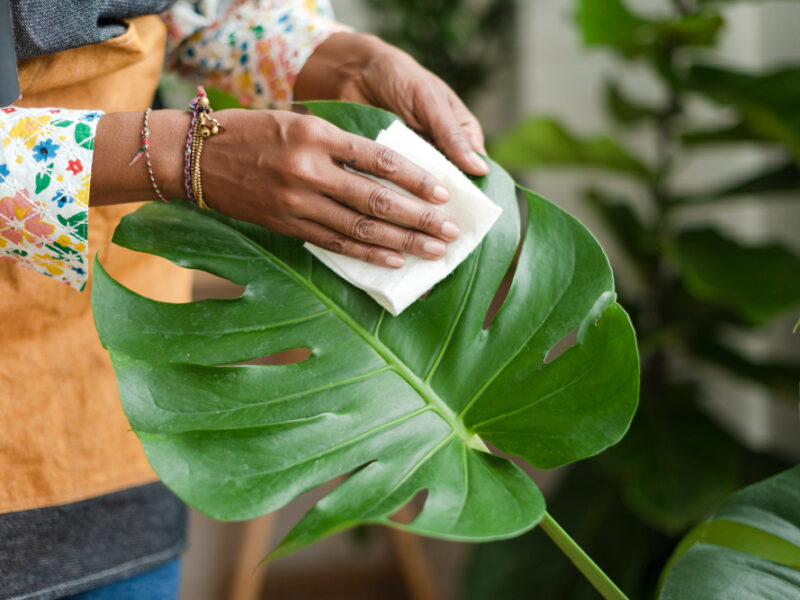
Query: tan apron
63, 436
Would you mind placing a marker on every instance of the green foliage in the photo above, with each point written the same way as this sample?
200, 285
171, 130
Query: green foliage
623, 109
462, 41
540, 142
767, 102
748, 548
674, 463
587, 504
758, 282
700, 285
612, 24
401, 404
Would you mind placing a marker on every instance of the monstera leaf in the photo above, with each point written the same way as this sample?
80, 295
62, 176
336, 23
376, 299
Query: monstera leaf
748, 548
399, 404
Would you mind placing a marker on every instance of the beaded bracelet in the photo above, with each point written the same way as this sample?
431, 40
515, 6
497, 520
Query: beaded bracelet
203, 125
145, 149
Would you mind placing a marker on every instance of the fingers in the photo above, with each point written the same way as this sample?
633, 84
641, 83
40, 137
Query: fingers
469, 123
327, 238
454, 128
366, 155
367, 229
371, 198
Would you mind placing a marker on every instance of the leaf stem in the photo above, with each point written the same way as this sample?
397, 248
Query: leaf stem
594, 574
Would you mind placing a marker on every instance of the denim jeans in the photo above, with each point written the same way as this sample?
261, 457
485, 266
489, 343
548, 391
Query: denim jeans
159, 584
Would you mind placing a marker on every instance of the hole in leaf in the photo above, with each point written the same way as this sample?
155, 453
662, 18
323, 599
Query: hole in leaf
206, 286
505, 285
410, 509
561, 345
148, 275
284, 357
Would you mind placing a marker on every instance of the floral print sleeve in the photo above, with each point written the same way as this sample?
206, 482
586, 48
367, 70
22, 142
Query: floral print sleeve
253, 49
45, 168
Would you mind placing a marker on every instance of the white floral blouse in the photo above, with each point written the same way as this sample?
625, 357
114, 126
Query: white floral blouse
253, 49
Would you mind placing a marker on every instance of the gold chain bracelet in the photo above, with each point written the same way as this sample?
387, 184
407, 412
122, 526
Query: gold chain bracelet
203, 126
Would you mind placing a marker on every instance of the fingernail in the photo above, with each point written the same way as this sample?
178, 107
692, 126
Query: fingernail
450, 230
394, 261
441, 194
434, 247
478, 162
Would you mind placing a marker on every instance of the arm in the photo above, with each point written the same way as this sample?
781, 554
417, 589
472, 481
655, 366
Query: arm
300, 159
268, 52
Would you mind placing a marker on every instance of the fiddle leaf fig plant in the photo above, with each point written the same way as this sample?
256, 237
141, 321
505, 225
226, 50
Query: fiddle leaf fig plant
397, 404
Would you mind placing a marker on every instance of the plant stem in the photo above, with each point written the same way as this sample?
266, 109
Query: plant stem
599, 580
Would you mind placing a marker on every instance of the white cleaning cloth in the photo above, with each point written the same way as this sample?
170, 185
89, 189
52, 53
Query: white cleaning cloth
396, 289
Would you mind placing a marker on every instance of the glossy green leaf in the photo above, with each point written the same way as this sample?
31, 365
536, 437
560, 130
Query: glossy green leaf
748, 548
767, 102
758, 282
402, 404
543, 142
611, 23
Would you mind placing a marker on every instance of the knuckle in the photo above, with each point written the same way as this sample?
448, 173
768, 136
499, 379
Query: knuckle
292, 204
456, 137
385, 161
425, 184
309, 128
379, 201
336, 244
303, 167
426, 219
370, 254
407, 243
363, 228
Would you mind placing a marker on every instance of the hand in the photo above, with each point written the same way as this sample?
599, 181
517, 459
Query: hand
362, 68
286, 172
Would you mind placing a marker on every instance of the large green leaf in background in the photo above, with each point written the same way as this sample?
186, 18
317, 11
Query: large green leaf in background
767, 102
611, 23
758, 282
749, 548
401, 404
542, 142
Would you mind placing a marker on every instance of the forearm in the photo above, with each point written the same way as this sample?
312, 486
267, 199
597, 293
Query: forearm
118, 139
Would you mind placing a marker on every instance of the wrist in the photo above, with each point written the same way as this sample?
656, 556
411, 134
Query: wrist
168, 132
336, 66
119, 138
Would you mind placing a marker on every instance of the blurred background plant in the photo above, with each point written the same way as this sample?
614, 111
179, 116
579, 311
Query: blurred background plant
462, 41
696, 290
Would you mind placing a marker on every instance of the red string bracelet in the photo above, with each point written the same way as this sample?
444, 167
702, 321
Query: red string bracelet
145, 149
